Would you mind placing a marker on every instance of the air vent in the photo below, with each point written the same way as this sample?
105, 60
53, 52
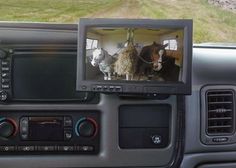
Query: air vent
220, 112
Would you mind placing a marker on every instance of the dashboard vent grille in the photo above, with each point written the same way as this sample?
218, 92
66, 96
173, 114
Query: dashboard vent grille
220, 112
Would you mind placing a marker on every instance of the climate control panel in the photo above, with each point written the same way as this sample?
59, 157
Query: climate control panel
50, 132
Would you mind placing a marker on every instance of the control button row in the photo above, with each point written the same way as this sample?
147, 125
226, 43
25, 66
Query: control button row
104, 88
24, 123
84, 148
68, 124
24, 134
5, 74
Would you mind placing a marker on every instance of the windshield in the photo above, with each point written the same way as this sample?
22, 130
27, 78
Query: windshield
214, 21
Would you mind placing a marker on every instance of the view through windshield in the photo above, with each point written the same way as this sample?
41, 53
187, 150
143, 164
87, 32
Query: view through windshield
213, 20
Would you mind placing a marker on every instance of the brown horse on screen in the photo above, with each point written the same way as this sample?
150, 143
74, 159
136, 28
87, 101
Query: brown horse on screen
153, 61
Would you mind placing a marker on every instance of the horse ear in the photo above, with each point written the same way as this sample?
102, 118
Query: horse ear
164, 46
104, 51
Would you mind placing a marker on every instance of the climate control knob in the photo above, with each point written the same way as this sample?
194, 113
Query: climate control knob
86, 127
7, 128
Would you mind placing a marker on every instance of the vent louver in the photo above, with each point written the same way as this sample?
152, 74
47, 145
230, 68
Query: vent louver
220, 112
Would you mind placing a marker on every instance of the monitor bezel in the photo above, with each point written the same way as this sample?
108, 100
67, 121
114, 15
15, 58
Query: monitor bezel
179, 87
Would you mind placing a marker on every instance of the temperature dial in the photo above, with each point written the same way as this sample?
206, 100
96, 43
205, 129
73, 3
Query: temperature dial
7, 128
86, 127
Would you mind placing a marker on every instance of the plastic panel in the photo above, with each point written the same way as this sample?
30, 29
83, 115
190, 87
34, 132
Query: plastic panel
110, 154
211, 66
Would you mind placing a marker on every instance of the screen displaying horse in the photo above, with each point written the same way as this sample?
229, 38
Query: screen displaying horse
134, 54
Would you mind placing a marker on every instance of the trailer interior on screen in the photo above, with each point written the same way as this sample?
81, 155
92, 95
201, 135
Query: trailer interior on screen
137, 54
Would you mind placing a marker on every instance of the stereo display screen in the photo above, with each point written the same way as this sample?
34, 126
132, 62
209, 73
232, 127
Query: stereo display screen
44, 77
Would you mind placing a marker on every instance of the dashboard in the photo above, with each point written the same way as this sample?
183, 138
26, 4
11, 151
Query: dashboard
41, 127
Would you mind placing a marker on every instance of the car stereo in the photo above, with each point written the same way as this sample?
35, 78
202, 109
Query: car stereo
39, 74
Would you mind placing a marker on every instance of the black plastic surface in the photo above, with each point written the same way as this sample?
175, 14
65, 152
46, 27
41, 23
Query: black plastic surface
145, 116
218, 165
139, 125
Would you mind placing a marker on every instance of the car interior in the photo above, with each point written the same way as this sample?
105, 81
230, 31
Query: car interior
115, 93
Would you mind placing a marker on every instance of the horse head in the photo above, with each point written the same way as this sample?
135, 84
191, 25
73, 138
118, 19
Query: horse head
157, 52
98, 56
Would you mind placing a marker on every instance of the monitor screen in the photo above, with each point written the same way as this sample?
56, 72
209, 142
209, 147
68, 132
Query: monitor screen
44, 77
134, 56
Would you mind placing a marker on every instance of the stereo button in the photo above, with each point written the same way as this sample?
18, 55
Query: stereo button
24, 136
24, 128
5, 80
5, 75
66, 148
4, 69
26, 148
85, 148
24, 121
68, 122
156, 139
5, 86
7, 148
3, 95
67, 134
46, 148
5, 63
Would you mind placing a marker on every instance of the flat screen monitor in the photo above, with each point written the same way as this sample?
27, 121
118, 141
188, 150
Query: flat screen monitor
139, 56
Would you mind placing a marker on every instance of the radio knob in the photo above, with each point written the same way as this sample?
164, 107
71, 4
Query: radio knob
7, 128
3, 54
86, 128
3, 95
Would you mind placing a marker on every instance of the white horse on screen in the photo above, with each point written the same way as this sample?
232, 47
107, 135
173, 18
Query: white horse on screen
105, 62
